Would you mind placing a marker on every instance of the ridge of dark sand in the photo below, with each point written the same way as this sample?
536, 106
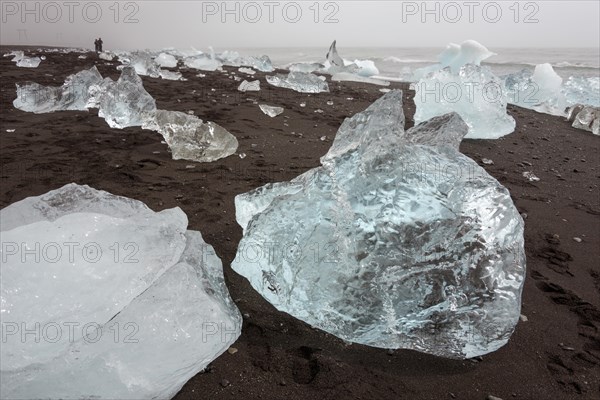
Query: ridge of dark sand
554, 355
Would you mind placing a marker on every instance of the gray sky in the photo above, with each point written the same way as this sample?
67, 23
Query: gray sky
237, 24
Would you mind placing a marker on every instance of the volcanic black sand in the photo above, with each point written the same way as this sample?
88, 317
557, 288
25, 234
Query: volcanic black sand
554, 352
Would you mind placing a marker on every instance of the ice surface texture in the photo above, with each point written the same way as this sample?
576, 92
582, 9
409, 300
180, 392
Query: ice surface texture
396, 241
300, 82
474, 92
158, 311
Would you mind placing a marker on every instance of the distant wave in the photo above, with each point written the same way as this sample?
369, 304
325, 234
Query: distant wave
563, 64
405, 60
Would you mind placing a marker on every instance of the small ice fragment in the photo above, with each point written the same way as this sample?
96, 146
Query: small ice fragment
577, 239
330, 103
303, 104
246, 86
190, 166
318, 110
384, 90
323, 138
248, 71
530, 176
10, 130
487, 161
242, 155
270, 110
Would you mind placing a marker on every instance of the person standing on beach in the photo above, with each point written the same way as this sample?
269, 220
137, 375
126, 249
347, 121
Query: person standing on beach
100, 42
96, 45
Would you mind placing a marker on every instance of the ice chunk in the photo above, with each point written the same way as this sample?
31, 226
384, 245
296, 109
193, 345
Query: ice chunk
306, 67
573, 111
475, 93
29, 62
468, 52
299, 82
171, 75
246, 86
397, 241
22, 60
348, 77
106, 56
588, 119
366, 68
203, 63
270, 110
166, 60
123, 103
73, 95
247, 71
333, 57
456, 56
582, 90
234, 59
540, 90
189, 138
142, 62
154, 300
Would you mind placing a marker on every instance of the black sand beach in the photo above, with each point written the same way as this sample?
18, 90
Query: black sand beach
555, 350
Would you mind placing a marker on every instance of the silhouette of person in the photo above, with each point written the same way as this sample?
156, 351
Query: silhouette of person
96, 45
100, 42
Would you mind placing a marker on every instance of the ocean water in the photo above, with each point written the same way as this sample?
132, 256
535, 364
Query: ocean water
399, 63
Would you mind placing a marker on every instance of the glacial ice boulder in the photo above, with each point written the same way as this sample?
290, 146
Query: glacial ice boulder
397, 241
366, 68
72, 95
306, 67
588, 119
203, 62
126, 302
142, 62
474, 92
190, 138
234, 59
582, 90
106, 56
468, 52
23, 61
300, 82
455, 56
540, 91
123, 103
166, 60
